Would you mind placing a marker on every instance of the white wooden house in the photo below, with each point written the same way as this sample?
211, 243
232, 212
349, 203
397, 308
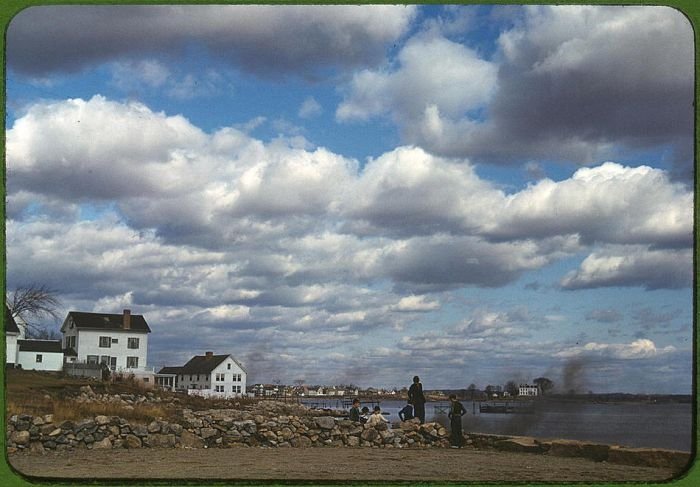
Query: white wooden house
12, 334
40, 355
528, 390
118, 340
207, 375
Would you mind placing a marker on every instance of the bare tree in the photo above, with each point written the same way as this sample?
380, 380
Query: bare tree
32, 304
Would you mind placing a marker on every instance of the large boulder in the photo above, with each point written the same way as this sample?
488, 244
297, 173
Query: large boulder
132, 441
101, 420
20, 437
190, 440
208, 432
370, 434
104, 444
325, 422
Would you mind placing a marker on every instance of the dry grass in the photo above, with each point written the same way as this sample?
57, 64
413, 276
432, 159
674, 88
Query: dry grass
37, 393
41, 393
68, 409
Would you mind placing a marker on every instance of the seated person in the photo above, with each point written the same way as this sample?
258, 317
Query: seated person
377, 417
355, 410
406, 413
365, 415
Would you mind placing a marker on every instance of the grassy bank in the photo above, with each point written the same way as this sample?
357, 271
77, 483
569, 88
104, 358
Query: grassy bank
41, 393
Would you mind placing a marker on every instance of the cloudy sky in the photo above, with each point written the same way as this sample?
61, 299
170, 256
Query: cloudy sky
362, 194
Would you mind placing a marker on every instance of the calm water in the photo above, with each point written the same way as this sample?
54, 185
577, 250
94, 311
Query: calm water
628, 424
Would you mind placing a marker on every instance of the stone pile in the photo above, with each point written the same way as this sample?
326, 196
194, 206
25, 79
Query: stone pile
218, 428
223, 427
39, 433
127, 401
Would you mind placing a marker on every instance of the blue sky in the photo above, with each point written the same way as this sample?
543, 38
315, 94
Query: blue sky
365, 193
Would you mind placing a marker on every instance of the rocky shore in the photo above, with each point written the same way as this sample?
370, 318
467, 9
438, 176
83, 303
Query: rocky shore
282, 425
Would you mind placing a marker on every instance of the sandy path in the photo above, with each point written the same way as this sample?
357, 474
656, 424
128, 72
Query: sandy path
326, 464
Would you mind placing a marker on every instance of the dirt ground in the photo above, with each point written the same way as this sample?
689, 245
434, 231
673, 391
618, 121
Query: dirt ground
326, 464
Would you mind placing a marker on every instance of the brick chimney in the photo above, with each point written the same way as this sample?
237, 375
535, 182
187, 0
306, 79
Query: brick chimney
209, 355
126, 321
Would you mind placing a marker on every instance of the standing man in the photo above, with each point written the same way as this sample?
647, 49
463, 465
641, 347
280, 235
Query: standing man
417, 399
455, 415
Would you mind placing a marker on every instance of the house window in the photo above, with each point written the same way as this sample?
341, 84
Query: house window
39, 358
237, 377
115, 340
197, 377
105, 342
104, 359
70, 342
229, 366
132, 362
219, 388
133, 343
92, 359
220, 377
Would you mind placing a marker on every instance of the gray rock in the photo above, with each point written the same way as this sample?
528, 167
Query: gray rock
370, 434
20, 437
132, 441
190, 440
325, 422
101, 420
208, 432
104, 444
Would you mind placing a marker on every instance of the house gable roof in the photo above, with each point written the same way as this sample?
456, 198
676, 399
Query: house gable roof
203, 364
45, 346
170, 370
106, 321
10, 323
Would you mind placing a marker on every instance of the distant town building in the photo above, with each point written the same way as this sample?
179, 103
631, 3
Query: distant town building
528, 390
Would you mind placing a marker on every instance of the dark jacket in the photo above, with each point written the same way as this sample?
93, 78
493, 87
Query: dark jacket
354, 414
415, 394
406, 413
456, 410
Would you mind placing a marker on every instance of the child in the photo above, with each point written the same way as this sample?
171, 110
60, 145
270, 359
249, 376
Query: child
355, 410
377, 417
455, 415
365, 415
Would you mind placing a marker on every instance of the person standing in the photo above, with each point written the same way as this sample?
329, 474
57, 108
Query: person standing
455, 415
417, 399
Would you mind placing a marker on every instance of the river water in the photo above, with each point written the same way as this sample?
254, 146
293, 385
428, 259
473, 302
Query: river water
648, 425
